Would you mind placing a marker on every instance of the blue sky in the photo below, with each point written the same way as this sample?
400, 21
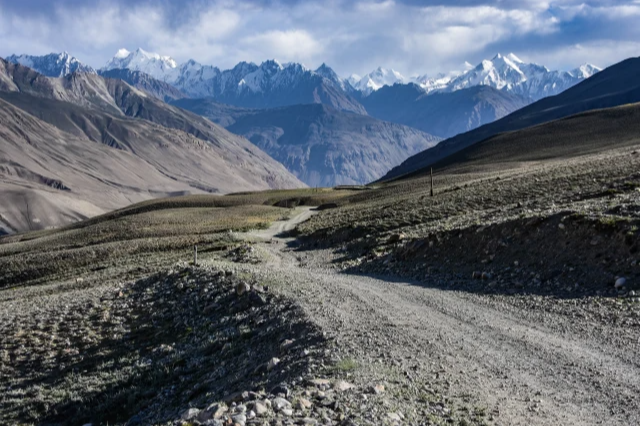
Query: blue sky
411, 36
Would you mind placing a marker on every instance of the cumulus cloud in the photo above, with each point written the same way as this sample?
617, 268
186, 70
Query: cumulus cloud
294, 45
411, 36
600, 53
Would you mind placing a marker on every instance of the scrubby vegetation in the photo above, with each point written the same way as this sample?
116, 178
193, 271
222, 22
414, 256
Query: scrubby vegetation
486, 221
145, 235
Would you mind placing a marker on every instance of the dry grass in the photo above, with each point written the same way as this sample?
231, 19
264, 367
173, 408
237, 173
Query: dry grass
146, 234
463, 200
81, 343
101, 354
125, 243
255, 200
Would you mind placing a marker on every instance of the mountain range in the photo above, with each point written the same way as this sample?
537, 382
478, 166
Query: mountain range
507, 83
319, 144
612, 87
324, 129
273, 84
79, 145
508, 73
53, 64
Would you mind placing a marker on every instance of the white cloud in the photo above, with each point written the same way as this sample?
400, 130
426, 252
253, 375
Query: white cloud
601, 53
292, 45
375, 7
351, 37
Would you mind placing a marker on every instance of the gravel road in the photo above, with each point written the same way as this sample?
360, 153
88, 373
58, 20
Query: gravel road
520, 367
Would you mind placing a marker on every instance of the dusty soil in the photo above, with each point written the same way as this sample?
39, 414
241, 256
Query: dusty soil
145, 351
505, 360
491, 303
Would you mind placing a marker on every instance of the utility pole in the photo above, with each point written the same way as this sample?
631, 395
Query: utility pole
195, 255
28, 213
432, 181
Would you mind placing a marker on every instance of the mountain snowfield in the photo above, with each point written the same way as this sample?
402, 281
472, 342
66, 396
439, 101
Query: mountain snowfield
159, 67
52, 65
508, 73
246, 83
511, 74
378, 78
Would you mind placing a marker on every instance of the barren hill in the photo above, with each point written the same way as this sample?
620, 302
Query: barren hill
104, 144
319, 144
578, 135
614, 86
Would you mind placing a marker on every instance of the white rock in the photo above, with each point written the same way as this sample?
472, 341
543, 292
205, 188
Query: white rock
213, 411
272, 363
280, 404
304, 403
287, 412
395, 417
621, 282
286, 344
342, 386
260, 408
190, 414
239, 418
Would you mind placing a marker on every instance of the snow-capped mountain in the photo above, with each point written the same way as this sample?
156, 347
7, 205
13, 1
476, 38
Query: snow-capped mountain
52, 65
499, 72
508, 73
353, 79
327, 72
441, 80
159, 67
194, 78
378, 78
272, 84
585, 71
269, 84
511, 74
251, 85
438, 82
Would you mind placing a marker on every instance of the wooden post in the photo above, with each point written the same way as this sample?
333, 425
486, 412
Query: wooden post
195, 255
432, 181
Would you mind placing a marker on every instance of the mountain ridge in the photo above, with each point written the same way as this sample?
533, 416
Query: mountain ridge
319, 144
99, 144
442, 114
53, 64
611, 87
506, 72
270, 84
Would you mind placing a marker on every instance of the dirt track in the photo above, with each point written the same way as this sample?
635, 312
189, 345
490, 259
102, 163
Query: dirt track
280, 227
522, 367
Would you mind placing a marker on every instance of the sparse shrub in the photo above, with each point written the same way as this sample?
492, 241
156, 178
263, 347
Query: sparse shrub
347, 364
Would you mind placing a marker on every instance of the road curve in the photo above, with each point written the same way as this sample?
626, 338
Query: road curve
523, 367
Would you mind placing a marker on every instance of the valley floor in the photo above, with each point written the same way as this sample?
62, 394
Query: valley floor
491, 303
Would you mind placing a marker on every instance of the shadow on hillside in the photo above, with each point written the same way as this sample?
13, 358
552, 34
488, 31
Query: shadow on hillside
564, 256
164, 345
